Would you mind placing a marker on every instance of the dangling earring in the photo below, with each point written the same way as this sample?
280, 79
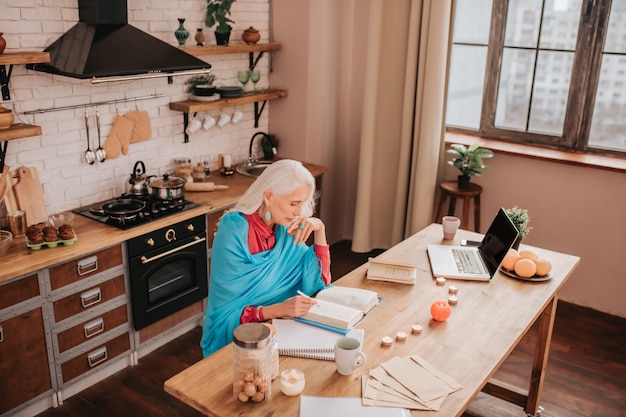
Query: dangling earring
268, 215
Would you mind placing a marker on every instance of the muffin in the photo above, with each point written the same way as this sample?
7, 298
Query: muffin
34, 235
66, 232
50, 234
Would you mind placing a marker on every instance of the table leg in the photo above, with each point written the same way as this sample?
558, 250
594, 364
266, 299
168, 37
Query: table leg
540, 361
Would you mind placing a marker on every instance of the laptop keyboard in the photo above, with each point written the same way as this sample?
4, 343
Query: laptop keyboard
466, 261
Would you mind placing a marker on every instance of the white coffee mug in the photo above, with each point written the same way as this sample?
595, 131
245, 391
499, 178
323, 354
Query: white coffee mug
193, 125
237, 116
348, 355
209, 122
223, 120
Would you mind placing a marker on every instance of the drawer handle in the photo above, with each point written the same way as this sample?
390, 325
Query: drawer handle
89, 298
87, 265
93, 328
97, 356
1, 334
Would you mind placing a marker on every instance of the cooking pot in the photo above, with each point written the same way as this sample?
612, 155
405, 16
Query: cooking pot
124, 208
137, 184
167, 188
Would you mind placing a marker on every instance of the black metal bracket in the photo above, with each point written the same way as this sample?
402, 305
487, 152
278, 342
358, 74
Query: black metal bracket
4, 81
257, 112
3, 154
253, 61
185, 124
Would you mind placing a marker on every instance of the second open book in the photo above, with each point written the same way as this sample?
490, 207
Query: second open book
341, 307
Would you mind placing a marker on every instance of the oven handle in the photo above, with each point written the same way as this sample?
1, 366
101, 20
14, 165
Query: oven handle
197, 240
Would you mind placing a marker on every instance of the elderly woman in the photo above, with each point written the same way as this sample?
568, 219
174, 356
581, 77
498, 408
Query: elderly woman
259, 258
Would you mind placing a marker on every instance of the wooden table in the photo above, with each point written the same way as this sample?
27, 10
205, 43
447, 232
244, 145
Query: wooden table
486, 324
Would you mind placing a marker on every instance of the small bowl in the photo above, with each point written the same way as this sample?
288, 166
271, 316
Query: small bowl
6, 238
204, 90
60, 219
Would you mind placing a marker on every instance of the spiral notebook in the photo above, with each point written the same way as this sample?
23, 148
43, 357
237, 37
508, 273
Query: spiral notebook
306, 341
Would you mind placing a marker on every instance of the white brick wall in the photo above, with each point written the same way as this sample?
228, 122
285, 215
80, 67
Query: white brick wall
68, 181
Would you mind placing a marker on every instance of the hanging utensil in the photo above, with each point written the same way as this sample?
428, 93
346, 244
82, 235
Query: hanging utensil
101, 154
90, 155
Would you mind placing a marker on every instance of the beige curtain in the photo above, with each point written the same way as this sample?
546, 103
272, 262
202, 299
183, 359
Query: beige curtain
403, 120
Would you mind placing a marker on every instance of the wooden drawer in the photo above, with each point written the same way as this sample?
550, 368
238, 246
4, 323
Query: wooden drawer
95, 357
81, 268
24, 371
19, 290
89, 298
84, 331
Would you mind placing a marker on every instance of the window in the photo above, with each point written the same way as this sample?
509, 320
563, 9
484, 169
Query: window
548, 72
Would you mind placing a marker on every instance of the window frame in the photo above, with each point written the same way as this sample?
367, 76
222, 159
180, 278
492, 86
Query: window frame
592, 30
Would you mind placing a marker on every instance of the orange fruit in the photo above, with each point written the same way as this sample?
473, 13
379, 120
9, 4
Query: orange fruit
511, 257
527, 253
525, 268
543, 266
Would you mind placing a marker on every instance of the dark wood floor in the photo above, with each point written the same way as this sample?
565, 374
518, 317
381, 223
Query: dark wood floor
586, 375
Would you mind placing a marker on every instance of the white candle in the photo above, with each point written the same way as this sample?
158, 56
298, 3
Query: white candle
227, 161
292, 382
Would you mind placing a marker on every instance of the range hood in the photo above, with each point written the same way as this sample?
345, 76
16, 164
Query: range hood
103, 44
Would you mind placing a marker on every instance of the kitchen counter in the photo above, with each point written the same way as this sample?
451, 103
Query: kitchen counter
93, 236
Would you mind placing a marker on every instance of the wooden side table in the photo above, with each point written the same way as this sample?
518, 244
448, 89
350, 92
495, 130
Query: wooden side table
450, 189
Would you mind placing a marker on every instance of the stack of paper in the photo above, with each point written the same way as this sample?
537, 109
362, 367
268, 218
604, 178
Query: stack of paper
342, 407
409, 383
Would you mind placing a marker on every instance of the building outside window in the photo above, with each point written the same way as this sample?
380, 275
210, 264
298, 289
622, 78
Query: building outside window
546, 72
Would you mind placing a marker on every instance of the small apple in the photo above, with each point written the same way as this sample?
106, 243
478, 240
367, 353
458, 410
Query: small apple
440, 310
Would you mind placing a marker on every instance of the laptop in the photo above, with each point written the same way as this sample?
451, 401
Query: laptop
475, 262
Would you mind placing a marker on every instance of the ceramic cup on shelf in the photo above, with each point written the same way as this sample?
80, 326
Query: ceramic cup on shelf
193, 126
209, 122
223, 120
237, 116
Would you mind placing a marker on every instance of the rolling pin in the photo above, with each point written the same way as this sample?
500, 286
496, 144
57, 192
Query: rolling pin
203, 186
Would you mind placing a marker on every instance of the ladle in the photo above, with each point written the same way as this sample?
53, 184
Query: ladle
101, 154
90, 155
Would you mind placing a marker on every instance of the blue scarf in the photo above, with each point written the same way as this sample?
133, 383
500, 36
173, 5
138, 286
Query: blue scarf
239, 278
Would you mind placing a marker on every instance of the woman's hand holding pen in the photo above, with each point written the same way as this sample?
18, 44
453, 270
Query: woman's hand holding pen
292, 307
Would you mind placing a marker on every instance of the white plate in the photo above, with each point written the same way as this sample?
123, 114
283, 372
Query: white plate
532, 279
214, 97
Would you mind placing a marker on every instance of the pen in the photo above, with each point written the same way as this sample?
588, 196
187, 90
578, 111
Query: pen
304, 295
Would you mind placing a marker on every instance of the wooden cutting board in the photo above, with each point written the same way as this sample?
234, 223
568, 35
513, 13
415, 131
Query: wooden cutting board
29, 196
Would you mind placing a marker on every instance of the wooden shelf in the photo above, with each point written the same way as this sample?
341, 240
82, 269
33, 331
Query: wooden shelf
231, 49
191, 106
19, 131
13, 58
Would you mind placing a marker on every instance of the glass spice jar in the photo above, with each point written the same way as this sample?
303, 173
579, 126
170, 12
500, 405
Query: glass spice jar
252, 363
274, 351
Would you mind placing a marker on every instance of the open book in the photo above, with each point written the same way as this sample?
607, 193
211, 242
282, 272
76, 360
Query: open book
300, 339
341, 307
392, 271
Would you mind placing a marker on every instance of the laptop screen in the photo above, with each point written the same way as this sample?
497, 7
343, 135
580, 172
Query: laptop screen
498, 240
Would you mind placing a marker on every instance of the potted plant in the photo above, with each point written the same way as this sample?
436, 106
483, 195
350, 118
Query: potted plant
269, 144
520, 219
218, 15
468, 160
196, 80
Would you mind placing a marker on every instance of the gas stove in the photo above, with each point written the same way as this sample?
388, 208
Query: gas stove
154, 208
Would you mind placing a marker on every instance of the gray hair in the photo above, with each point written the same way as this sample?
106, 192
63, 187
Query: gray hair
282, 178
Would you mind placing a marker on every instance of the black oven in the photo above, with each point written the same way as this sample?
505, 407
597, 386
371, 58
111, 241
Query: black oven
168, 270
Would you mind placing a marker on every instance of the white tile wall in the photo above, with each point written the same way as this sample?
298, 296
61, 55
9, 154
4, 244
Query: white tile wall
68, 181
